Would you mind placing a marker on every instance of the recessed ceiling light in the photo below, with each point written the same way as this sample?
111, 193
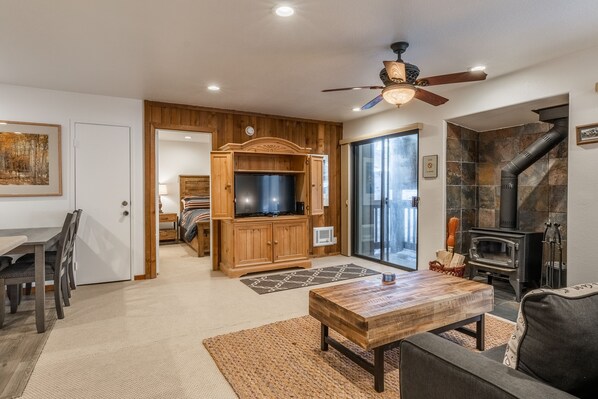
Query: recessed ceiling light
213, 88
18, 132
356, 109
187, 137
284, 11
356, 88
3, 123
477, 68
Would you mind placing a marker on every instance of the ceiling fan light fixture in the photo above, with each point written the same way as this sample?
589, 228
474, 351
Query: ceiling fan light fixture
398, 94
356, 109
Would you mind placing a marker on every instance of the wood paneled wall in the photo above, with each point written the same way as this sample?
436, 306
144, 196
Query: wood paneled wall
228, 126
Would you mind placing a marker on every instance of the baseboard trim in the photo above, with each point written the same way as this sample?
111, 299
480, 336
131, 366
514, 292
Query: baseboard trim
139, 277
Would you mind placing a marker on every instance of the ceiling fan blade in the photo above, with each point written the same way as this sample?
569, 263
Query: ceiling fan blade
354, 88
373, 102
459, 77
429, 97
395, 71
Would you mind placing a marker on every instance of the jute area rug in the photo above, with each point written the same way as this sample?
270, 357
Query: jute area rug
305, 278
21, 345
283, 360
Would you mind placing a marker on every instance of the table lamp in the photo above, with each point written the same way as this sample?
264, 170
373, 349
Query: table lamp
162, 190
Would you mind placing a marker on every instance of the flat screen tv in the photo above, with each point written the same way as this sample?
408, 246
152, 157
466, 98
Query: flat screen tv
264, 194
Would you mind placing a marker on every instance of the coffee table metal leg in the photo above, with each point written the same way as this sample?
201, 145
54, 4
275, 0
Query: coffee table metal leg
480, 327
323, 336
379, 369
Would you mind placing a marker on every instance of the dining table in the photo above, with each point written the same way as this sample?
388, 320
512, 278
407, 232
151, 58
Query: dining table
39, 240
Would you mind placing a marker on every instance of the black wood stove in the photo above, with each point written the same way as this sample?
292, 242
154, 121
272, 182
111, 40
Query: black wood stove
506, 251
512, 253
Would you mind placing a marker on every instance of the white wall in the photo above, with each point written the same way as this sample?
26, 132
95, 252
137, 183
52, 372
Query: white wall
574, 74
180, 158
64, 108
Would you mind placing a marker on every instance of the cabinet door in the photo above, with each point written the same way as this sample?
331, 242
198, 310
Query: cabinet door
222, 198
316, 198
290, 240
253, 244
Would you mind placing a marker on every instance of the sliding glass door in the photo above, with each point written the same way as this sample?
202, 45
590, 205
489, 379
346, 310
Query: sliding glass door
385, 197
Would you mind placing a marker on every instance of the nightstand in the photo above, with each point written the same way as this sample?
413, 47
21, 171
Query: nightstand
170, 233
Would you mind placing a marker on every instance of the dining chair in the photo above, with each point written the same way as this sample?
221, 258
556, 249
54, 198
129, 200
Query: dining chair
23, 271
5, 261
71, 265
51, 256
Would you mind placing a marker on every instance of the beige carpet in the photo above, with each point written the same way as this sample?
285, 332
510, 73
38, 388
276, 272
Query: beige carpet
21, 346
283, 360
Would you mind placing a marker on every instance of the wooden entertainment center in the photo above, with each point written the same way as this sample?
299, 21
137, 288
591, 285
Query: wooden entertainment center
260, 243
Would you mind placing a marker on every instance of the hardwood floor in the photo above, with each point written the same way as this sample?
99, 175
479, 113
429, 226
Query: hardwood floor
21, 346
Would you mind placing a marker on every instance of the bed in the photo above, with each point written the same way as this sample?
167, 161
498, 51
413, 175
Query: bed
194, 220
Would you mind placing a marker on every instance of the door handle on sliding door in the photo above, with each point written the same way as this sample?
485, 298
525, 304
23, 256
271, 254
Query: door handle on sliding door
414, 202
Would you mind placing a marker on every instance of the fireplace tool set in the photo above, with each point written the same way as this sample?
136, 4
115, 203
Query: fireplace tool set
554, 273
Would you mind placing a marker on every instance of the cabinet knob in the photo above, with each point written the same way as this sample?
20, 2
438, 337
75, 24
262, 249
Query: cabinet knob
275, 242
269, 243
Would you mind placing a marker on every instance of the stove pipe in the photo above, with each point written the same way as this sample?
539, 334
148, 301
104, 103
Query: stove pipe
558, 116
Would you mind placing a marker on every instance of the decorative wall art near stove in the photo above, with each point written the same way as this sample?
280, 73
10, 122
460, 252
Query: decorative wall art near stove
587, 134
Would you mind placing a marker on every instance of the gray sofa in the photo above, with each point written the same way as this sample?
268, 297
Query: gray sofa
553, 353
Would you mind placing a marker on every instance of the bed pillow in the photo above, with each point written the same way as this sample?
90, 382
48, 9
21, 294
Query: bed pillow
196, 203
556, 339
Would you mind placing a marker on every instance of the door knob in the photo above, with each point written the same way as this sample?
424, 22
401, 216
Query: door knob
126, 213
125, 203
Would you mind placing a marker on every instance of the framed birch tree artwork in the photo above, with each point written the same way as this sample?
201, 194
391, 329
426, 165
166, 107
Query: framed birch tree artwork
30, 159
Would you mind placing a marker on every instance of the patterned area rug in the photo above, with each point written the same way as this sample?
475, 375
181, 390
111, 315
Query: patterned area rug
305, 278
283, 360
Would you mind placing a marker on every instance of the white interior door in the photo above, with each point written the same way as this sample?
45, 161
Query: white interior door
103, 192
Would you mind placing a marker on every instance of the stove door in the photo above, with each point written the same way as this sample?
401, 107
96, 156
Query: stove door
494, 251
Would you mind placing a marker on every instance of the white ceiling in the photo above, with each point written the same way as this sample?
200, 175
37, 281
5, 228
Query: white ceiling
513, 115
171, 50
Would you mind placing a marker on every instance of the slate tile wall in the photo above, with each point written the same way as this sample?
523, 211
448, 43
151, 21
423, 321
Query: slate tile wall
462, 187
474, 161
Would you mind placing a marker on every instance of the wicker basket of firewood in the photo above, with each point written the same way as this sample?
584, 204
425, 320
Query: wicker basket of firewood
457, 271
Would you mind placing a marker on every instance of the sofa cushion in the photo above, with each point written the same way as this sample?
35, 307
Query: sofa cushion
556, 339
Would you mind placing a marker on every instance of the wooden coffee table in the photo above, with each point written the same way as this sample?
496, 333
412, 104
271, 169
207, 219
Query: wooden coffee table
377, 316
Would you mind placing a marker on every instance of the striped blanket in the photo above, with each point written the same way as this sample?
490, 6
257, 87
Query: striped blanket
188, 220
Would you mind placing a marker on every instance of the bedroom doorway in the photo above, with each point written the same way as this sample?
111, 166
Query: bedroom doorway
182, 195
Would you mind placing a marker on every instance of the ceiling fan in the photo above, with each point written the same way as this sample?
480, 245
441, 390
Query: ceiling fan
401, 83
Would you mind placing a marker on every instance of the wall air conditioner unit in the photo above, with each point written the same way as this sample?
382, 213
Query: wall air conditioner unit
324, 236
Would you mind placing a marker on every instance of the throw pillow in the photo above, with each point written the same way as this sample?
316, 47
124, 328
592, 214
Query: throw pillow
556, 338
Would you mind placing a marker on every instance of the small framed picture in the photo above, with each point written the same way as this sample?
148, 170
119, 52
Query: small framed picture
587, 134
430, 166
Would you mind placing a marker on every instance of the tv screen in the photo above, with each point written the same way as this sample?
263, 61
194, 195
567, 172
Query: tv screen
262, 194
